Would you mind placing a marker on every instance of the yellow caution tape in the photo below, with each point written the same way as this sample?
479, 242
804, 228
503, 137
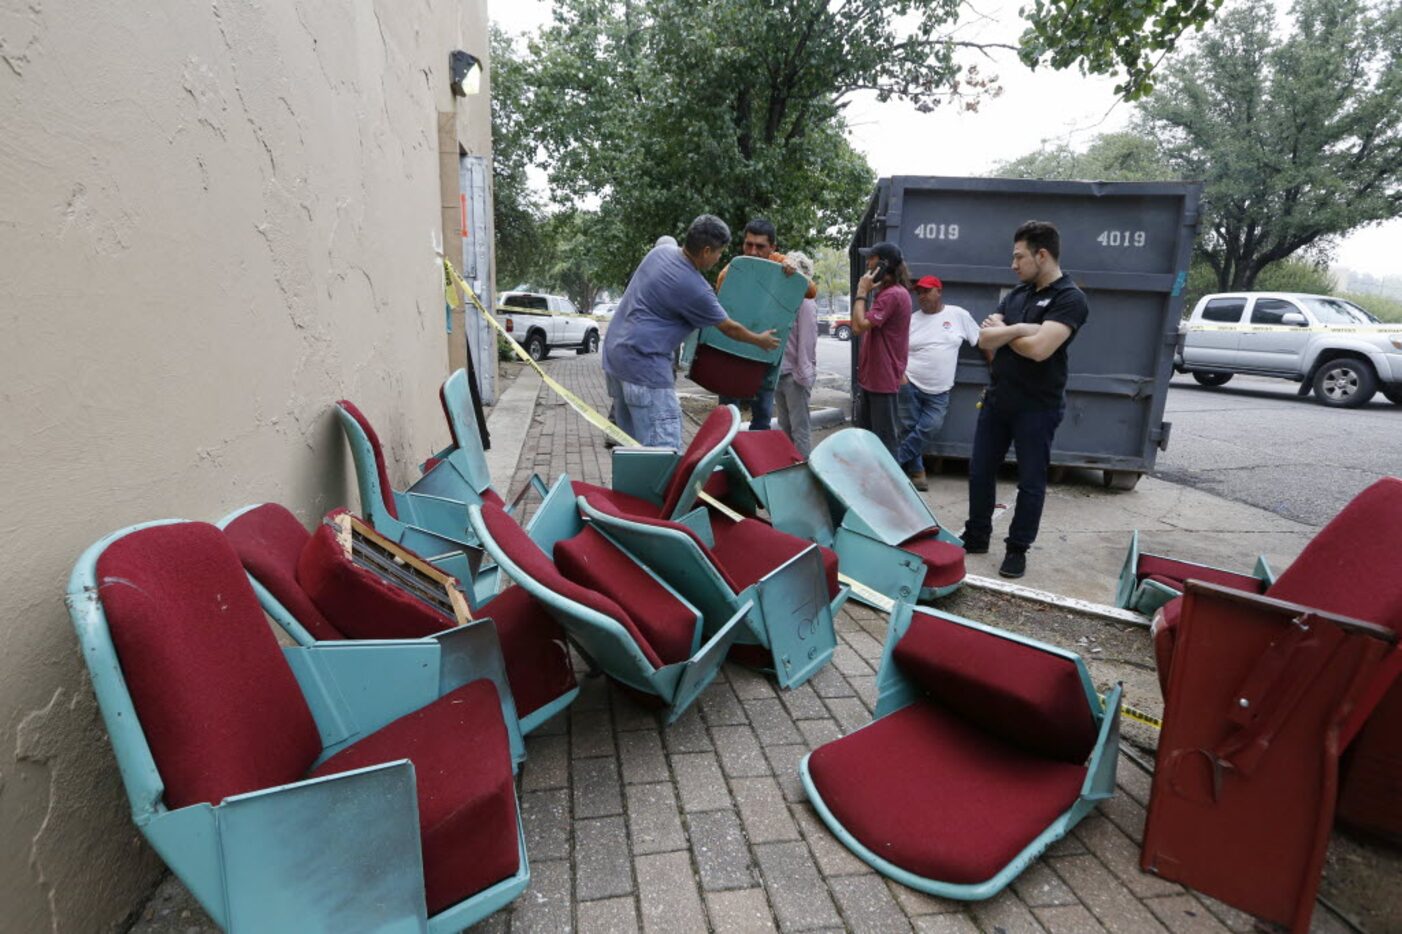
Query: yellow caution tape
1135, 713
576, 403
1301, 329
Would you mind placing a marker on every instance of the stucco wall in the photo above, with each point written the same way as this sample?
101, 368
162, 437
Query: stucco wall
215, 219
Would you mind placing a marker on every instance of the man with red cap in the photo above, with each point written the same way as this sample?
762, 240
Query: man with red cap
937, 330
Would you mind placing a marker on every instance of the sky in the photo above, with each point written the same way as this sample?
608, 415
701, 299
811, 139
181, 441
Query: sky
1034, 108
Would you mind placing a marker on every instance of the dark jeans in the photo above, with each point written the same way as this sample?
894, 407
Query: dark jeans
761, 408
922, 417
877, 413
1032, 433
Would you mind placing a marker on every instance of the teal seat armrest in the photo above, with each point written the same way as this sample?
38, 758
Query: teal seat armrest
890, 571
693, 675
699, 521
473, 652
357, 686
1100, 773
557, 516
1127, 584
797, 503
1263, 571
360, 829
643, 472
797, 619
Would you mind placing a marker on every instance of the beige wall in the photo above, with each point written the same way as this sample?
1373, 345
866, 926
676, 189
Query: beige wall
215, 220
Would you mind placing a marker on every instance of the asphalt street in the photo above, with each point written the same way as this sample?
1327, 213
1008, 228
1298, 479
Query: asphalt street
1253, 441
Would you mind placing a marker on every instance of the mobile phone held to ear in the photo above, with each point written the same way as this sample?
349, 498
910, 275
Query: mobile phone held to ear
880, 271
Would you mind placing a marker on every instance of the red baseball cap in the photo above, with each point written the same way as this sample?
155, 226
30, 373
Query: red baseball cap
928, 282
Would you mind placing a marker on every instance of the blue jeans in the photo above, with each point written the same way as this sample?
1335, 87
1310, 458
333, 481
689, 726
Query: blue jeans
653, 417
1032, 433
922, 417
761, 408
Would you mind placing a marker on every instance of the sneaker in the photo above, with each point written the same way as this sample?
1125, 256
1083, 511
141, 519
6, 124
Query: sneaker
918, 479
974, 545
1014, 564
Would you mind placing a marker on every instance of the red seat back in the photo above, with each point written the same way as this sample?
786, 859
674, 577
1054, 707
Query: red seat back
657, 620
269, 541
764, 452
526, 554
386, 491
725, 374
219, 706
358, 602
1351, 566
1028, 697
711, 433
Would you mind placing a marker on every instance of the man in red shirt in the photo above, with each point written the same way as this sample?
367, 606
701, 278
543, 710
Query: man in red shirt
883, 322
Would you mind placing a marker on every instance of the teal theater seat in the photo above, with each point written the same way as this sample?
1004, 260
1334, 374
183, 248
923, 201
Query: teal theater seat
337, 786
308, 589
721, 565
985, 749
624, 620
1148, 581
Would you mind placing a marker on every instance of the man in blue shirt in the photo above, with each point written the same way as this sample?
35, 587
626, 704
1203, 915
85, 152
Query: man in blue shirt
666, 300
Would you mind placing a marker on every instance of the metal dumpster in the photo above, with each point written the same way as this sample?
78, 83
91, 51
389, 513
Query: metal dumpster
1127, 244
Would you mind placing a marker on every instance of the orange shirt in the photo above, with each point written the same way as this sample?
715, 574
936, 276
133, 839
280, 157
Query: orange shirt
773, 258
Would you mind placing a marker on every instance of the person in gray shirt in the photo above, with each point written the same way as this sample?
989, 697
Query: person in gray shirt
667, 299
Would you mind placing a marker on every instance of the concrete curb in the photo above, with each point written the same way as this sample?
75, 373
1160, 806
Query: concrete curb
509, 421
826, 418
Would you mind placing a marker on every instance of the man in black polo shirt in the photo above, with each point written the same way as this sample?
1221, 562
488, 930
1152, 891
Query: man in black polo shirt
1027, 338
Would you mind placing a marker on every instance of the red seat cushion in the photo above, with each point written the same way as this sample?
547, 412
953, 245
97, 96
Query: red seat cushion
624, 504
490, 495
526, 554
764, 452
708, 437
1027, 697
269, 541
1166, 581
386, 491
725, 374
930, 792
533, 644
462, 773
1170, 569
749, 549
357, 601
220, 708
944, 561
659, 620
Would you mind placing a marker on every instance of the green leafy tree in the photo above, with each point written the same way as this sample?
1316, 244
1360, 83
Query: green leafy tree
516, 209
1104, 37
832, 271
1298, 138
576, 260
1111, 157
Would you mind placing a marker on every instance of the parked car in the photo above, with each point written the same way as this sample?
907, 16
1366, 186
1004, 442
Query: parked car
542, 323
842, 328
604, 310
1325, 344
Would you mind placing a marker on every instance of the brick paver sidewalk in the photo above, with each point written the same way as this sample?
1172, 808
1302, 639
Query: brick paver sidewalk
704, 825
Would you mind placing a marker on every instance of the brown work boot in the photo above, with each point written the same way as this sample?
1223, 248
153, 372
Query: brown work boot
918, 478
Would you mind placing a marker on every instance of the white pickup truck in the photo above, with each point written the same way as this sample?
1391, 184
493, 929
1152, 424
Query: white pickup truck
542, 323
1325, 344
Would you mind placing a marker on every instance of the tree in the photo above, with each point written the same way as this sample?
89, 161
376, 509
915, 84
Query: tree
832, 271
1111, 157
661, 109
575, 259
1298, 139
516, 209
1111, 36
